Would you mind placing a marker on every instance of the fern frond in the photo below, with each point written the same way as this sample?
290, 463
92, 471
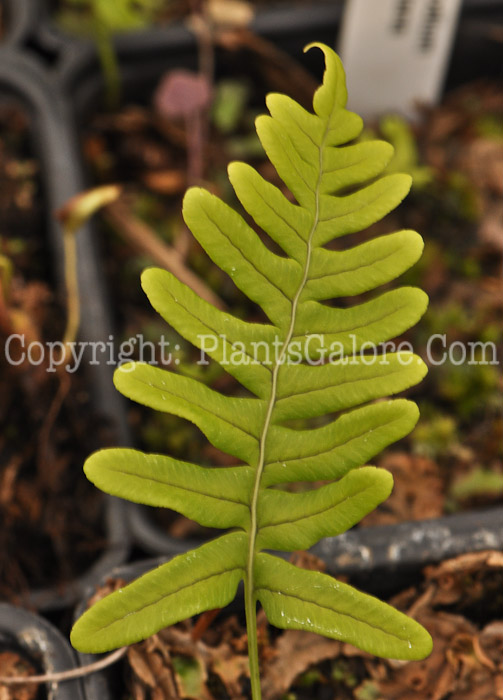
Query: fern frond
285, 366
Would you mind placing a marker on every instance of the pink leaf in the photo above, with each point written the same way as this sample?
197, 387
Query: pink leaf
182, 93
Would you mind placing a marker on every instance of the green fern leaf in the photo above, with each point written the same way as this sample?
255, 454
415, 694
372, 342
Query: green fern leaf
308, 600
306, 363
288, 521
206, 578
213, 497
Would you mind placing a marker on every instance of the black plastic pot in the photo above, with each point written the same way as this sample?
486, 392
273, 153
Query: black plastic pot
144, 56
20, 17
24, 80
43, 645
386, 558
476, 52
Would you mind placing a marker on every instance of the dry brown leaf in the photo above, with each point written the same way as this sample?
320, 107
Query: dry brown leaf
435, 676
296, 651
11, 664
221, 659
468, 578
137, 661
418, 492
152, 675
490, 230
481, 655
166, 181
498, 686
306, 560
482, 161
490, 645
231, 668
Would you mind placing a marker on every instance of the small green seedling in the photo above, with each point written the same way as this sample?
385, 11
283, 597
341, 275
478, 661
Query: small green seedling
75, 213
102, 20
337, 191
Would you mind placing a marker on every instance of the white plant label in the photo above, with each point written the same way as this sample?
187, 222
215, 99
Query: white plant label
396, 52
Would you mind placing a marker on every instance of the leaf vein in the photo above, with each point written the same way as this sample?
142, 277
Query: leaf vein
337, 386
248, 260
276, 213
172, 593
201, 408
211, 328
353, 269
291, 521
337, 612
164, 482
367, 204
333, 447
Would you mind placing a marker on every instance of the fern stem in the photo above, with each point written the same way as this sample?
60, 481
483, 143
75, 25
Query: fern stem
250, 602
251, 625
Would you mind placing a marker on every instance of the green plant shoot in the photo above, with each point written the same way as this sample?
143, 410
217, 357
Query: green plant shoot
337, 191
102, 20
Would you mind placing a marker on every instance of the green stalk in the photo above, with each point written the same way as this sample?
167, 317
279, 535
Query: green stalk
72, 288
74, 215
251, 627
249, 588
109, 63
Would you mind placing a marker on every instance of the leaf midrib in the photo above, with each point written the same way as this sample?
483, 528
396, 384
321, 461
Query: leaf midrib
173, 485
193, 315
241, 252
330, 387
315, 513
355, 268
190, 402
342, 613
335, 446
274, 380
165, 596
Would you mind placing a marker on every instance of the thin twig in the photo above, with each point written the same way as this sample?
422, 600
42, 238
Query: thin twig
197, 123
72, 290
49, 422
66, 675
145, 240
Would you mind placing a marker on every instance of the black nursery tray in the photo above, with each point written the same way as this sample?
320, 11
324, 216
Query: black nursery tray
374, 556
24, 82
19, 19
58, 80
